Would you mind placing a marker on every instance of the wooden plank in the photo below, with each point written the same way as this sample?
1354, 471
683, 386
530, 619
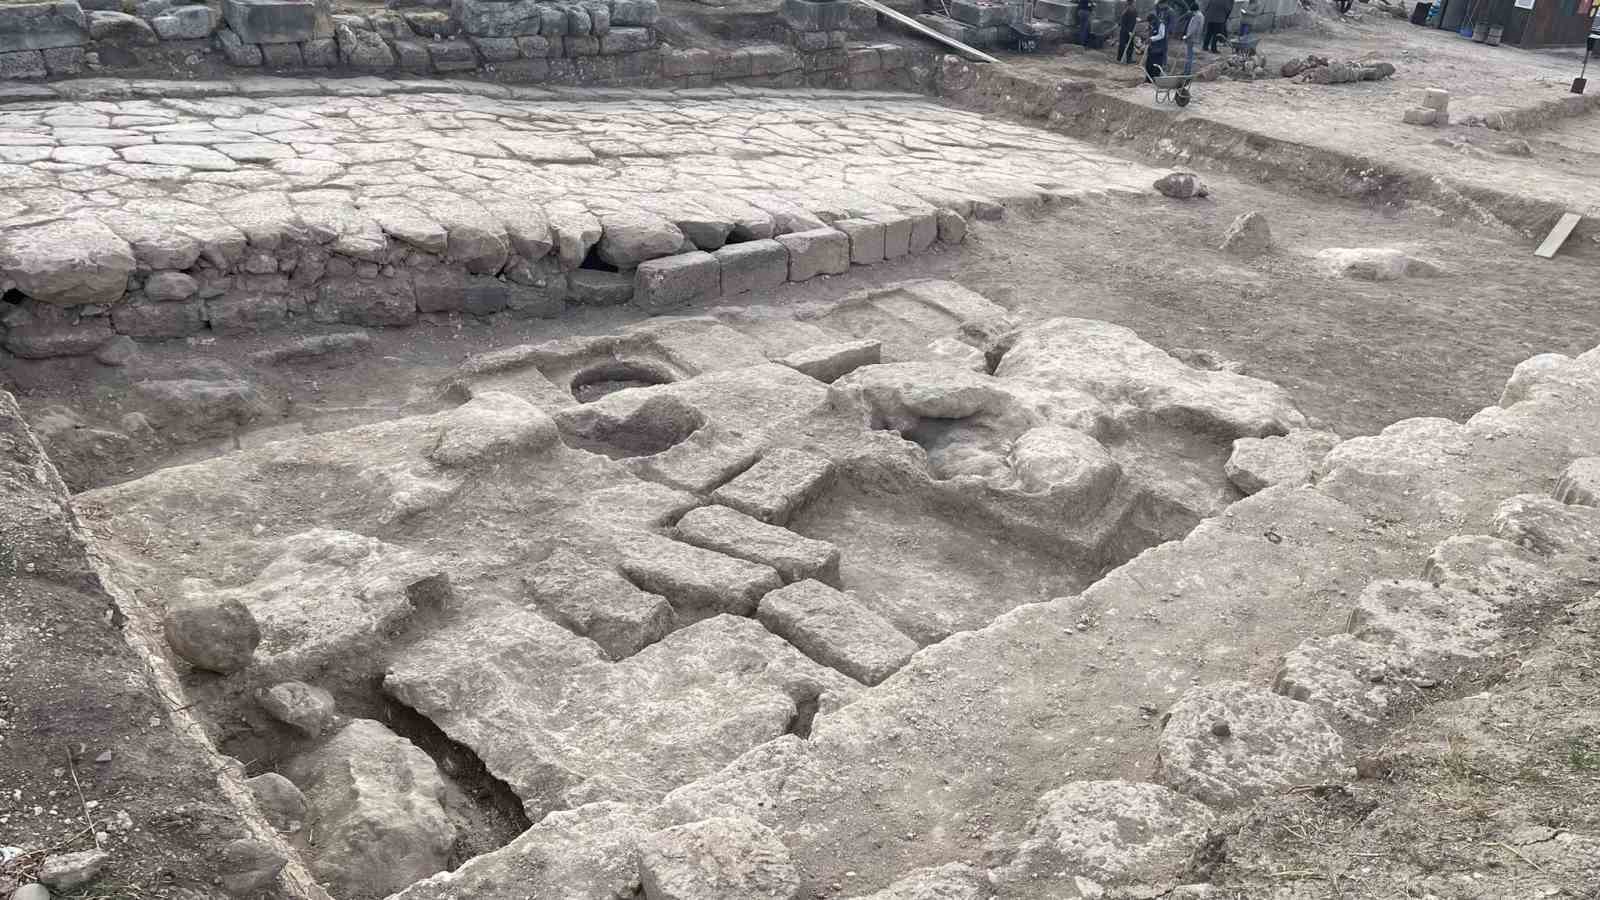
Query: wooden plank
1558, 235
914, 25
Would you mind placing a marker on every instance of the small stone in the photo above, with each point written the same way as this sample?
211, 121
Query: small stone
31, 892
279, 800
1248, 235
1221, 729
247, 866
216, 635
65, 871
302, 706
166, 286
118, 351
1181, 185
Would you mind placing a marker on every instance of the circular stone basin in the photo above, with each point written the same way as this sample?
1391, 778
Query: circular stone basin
605, 378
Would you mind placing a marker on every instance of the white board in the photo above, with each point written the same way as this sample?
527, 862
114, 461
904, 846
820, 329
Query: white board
1558, 235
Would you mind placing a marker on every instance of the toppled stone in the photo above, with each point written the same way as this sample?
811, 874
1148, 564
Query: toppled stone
376, 801
279, 800
775, 487
67, 262
492, 425
596, 602
1118, 833
189, 408
248, 866
1374, 263
1249, 235
717, 859
65, 871
1265, 744
299, 705
1352, 679
184, 23
1259, 463
218, 635
1435, 626
629, 237
121, 29
314, 347
1181, 185
836, 631
1579, 483
698, 580
830, 362
738, 535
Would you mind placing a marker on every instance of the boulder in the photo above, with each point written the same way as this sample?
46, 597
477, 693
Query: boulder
279, 800
215, 634
490, 426
247, 866
1181, 185
629, 237
733, 858
184, 23
67, 261
1228, 743
1374, 263
121, 29
66, 871
1349, 678
304, 707
1435, 627
1580, 482
1133, 835
376, 801
191, 408
1064, 463
595, 601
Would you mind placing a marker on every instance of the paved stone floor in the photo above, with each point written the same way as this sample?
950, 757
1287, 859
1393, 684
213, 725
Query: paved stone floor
201, 164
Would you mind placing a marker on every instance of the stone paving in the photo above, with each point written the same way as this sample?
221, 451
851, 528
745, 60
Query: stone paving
159, 215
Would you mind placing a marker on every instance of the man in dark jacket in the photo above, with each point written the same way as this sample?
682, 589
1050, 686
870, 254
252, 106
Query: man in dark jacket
1155, 56
1217, 13
1126, 25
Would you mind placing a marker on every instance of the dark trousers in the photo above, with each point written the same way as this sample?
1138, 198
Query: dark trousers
1154, 58
1125, 46
1215, 32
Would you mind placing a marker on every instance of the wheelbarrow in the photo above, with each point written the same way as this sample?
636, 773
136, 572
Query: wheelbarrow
1170, 87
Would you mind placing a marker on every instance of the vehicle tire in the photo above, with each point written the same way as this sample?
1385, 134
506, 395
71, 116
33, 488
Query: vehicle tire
1182, 96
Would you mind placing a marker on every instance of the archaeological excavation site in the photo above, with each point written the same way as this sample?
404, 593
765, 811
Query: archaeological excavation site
798, 450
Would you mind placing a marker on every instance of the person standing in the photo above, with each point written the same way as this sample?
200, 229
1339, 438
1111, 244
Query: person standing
1217, 13
1191, 36
1247, 19
1126, 25
1155, 56
1085, 14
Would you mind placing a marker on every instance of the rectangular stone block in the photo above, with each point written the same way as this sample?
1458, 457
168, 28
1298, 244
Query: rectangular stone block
812, 15
835, 630
1419, 115
924, 231
282, 56
896, 236
320, 53
452, 56
596, 602
271, 21
496, 49
772, 59
818, 251
22, 64
1060, 11
354, 301
866, 240
447, 290
574, 45
979, 13
247, 313
1436, 98
685, 63
498, 18
158, 320
627, 40
732, 532
862, 59
774, 488
810, 41
63, 60
41, 26
830, 362
697, 581
676, 280
591, 287
534, 46
634, 13
753, 266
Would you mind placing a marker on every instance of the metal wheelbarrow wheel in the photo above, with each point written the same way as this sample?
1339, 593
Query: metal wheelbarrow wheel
1181, 96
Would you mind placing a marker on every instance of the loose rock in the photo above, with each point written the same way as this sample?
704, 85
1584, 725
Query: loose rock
247, 866
1248, 235
216, 635
279, 800
300, 705
65, 871
1181, 185
717, 859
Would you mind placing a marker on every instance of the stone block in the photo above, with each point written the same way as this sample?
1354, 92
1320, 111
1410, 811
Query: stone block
47, 340
121, 29
775, 487
596, 602
496, 49
246, 314
697, 580
735, 534
271, 21
411, 55
452, 56
772, 59
534, 46
952, 227
979, 13
1419, 115
1579, 484
184, 23
237, 52
498, 18
41, 26
1059, 11
363, 49
836, 631
552, 22
592, 287
810, 41
753, 266
599, 17
687, 63
158, 320
671, 281
924, 231
320, 53
1435, 98
451, 290
862, 59
282, 56
578, 21
627, 40
63, 60
816, 15
896, 235
634, 13
574, 45
387, 301
866, 240
829, 362
818, 251
22, 64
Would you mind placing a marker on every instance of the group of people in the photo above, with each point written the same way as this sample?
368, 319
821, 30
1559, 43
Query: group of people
1207, 26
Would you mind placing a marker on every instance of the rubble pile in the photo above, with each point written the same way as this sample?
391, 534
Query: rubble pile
1321, 70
